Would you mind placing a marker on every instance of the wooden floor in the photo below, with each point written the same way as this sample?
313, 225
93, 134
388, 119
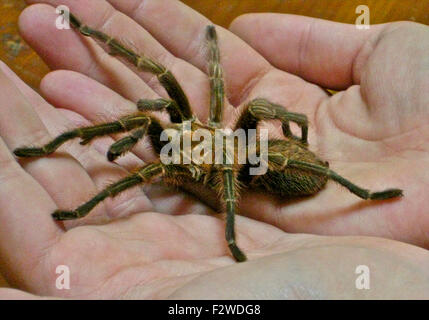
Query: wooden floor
29, 66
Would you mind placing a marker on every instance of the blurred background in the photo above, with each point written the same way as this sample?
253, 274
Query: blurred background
25, 62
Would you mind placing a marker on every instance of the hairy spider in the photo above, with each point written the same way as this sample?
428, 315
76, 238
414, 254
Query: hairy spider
292, 170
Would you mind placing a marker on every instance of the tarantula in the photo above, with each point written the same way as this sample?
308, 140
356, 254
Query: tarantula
292, 170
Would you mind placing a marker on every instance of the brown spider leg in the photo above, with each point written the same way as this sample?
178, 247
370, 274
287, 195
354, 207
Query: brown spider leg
143, 175
151, 128
230, 198
86, 134
362, 193
165, 77
125, 144
170, 106
261, 109
217, 87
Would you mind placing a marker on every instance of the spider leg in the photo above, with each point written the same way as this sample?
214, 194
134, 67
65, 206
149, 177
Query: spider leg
165, 77
86, 134
360, 192
217, 87
143, 175
152, 128
261, 109
170, 106
230, 198
125, 144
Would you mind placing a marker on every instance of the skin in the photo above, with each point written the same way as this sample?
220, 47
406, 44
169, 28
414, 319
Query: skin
374, 132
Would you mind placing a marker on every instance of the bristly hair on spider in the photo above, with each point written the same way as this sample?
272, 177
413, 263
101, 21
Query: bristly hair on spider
292, 169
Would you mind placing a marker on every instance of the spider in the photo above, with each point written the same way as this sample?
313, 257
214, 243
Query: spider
292, 169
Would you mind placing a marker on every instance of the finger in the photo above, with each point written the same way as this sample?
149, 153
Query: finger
13, 294
24, 204
64, 179
323, 52
65, 49
21, 126
95, 163
101, 172
100, 15
182, 31
95, 102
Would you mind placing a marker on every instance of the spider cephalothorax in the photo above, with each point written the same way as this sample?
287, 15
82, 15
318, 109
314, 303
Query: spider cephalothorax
292, 170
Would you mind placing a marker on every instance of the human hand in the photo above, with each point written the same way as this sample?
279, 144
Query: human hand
374, 132
397, 271
153, 255
74, 247
148, 255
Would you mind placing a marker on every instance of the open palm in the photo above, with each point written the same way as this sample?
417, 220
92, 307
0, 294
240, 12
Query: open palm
373, 133
375, 130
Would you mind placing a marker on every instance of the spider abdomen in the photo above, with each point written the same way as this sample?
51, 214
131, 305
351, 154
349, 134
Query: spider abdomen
292, 182
286, 180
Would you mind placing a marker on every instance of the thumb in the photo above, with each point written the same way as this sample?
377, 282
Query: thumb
319, 51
